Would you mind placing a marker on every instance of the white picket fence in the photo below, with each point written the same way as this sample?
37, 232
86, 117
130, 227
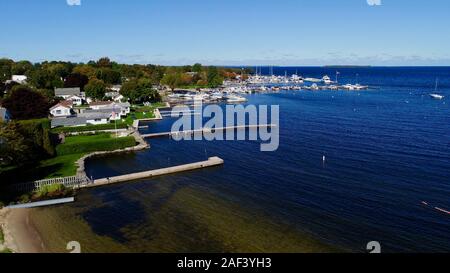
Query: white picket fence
68, 182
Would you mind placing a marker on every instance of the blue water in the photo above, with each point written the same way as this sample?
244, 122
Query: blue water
387, 150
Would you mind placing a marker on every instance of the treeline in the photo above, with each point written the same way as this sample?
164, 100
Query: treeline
95, 77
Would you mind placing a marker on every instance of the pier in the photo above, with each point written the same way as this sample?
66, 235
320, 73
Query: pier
207, 130
211, 162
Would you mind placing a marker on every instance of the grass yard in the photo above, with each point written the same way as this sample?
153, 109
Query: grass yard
61, 166
86, 138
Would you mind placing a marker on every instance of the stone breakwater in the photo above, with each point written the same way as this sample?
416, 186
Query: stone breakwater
142, 145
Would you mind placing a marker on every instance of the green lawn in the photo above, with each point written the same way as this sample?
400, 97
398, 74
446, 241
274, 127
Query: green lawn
61, 166
142, 112
86, 138
100, 127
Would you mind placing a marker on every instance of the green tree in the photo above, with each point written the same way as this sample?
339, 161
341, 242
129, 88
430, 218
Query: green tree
21, 68
139, 91
5, 69
197, 68
172, 80
13, 146
128, 89
95, 89
213, 77
44, 79
109, 76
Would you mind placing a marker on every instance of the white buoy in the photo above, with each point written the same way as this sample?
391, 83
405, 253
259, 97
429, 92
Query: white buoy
324, 158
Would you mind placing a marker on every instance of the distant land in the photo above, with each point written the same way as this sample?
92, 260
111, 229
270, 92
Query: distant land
347, 66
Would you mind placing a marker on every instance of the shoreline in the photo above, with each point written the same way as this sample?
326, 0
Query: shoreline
20, 234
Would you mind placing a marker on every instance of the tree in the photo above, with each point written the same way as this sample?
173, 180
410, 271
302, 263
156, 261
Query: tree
44, 79
128, 89
104, 62
84, 69
21, 68
13, 146
173, 80
197, 68
5, 69
214, 79
95, 89
25, 103
139, 91
76, 80
109, 76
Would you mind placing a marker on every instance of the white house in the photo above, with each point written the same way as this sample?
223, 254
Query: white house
76, 100
118, 98
22, 79
96, 118
62, 109
116, 111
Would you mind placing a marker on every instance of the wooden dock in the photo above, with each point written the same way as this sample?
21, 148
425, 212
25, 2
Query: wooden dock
211, 162
207, 130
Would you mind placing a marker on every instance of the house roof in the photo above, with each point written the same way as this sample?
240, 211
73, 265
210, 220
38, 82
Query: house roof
100, 103
95, 115
64, 103
66, 122
67, 91
123, 104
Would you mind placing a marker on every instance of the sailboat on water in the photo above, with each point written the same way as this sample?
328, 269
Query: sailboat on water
435, 95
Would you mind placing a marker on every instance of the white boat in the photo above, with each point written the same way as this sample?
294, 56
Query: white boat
216, 96
235, 99
312, 80
314, 87
327, 80
360, 87
437, 96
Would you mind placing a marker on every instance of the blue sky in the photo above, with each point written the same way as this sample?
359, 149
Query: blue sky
229, 32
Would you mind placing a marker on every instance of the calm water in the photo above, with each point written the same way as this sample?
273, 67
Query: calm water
387, 149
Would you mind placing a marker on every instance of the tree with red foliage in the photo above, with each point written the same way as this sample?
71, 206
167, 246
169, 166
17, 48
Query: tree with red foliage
24, 103
76, 80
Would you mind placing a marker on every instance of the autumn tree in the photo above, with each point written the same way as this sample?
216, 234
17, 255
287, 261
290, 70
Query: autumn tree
104, 62
76, 80
25, 103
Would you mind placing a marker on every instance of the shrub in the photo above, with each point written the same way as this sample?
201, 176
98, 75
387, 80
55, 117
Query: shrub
38, 131
51, 191
2, 236
98, 145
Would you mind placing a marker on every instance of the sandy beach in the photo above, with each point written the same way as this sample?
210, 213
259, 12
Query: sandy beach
20, 234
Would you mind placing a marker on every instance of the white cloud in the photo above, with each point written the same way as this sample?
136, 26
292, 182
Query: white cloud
74, 2
374, 2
